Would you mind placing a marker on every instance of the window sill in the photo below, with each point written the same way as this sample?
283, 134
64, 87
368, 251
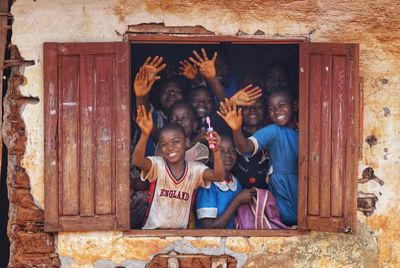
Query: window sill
215, 232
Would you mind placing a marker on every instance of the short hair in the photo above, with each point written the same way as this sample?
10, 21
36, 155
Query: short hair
171, 126
182, 104
277, 64
198, 88
283, 90
227, 136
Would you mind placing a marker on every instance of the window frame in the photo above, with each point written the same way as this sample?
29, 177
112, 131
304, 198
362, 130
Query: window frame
355, 105
208, 40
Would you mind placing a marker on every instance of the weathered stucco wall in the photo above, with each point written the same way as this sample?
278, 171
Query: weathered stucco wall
372, 24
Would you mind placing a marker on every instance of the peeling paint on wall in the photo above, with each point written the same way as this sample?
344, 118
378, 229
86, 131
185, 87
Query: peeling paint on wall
372, 24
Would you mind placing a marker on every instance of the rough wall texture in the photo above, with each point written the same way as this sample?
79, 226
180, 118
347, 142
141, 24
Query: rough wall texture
372, 24
29, 245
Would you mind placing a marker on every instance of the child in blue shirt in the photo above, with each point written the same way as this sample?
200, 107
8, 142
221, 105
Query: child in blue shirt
216, 203
281, 140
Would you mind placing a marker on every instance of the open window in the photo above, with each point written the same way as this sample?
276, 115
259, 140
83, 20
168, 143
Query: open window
87, 133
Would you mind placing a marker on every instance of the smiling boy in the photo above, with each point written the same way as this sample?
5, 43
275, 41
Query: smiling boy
175, 179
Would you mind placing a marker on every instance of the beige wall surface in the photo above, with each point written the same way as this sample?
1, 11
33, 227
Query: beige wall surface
373, 24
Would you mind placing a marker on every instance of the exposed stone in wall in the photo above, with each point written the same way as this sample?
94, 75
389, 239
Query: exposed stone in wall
30, 246
372, 24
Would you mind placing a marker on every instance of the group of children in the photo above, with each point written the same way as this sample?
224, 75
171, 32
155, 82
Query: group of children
175, 181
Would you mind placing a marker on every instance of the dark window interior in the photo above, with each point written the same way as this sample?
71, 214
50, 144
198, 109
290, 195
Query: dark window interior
245, 61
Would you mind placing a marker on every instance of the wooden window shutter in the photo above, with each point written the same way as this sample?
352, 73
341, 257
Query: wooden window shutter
87, 136
329, 136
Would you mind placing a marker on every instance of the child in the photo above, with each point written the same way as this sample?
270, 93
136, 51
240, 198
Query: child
175, 179
216, 203
276, 75
202, 101
182, 113
281, 141
252, 172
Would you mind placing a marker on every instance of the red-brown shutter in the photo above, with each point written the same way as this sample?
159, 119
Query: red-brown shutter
329, 135
87, 136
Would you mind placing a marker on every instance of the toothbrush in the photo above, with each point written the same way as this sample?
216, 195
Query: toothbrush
209, 133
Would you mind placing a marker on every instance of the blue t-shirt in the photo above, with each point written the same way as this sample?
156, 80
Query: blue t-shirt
211, 202
282, 144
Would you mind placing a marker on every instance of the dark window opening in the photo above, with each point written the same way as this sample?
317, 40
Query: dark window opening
246, 63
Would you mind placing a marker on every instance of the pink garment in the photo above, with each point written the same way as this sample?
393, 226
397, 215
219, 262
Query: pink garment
261, 213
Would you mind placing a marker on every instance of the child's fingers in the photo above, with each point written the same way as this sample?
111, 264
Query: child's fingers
214, 56
204, 54
198, 56
234, 106
183, 63
240, 112
158, 62
223, 107
147, 61
246, 88
194, 61
251, 90
162, 67
221, 115
154, 60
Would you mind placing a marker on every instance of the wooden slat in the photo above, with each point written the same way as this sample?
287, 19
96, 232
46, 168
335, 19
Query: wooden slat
122, 134
69, 119
86, 135
50, 137
338, 134
315, 84
98, 223
303, 136
104, 134
86, 48
325, 139
323, 224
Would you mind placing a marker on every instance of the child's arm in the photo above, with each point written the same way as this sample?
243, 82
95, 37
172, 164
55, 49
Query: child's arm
208, 70
218, 173
234, 119
221, 221
246, 96
145, 79
145, 122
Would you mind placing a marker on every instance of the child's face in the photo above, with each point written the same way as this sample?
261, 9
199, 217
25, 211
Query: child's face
202, 102
275, 78
228, 153
172, 145
281, 109
183, 117
170, 93
254, 115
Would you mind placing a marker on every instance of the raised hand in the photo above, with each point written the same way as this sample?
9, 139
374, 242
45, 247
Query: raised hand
142, 85
215, 139
153, 67
206, 65
144, 120
247, 95
188, 70
232, 116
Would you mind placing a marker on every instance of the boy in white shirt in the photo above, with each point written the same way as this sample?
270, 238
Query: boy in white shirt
175, 179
